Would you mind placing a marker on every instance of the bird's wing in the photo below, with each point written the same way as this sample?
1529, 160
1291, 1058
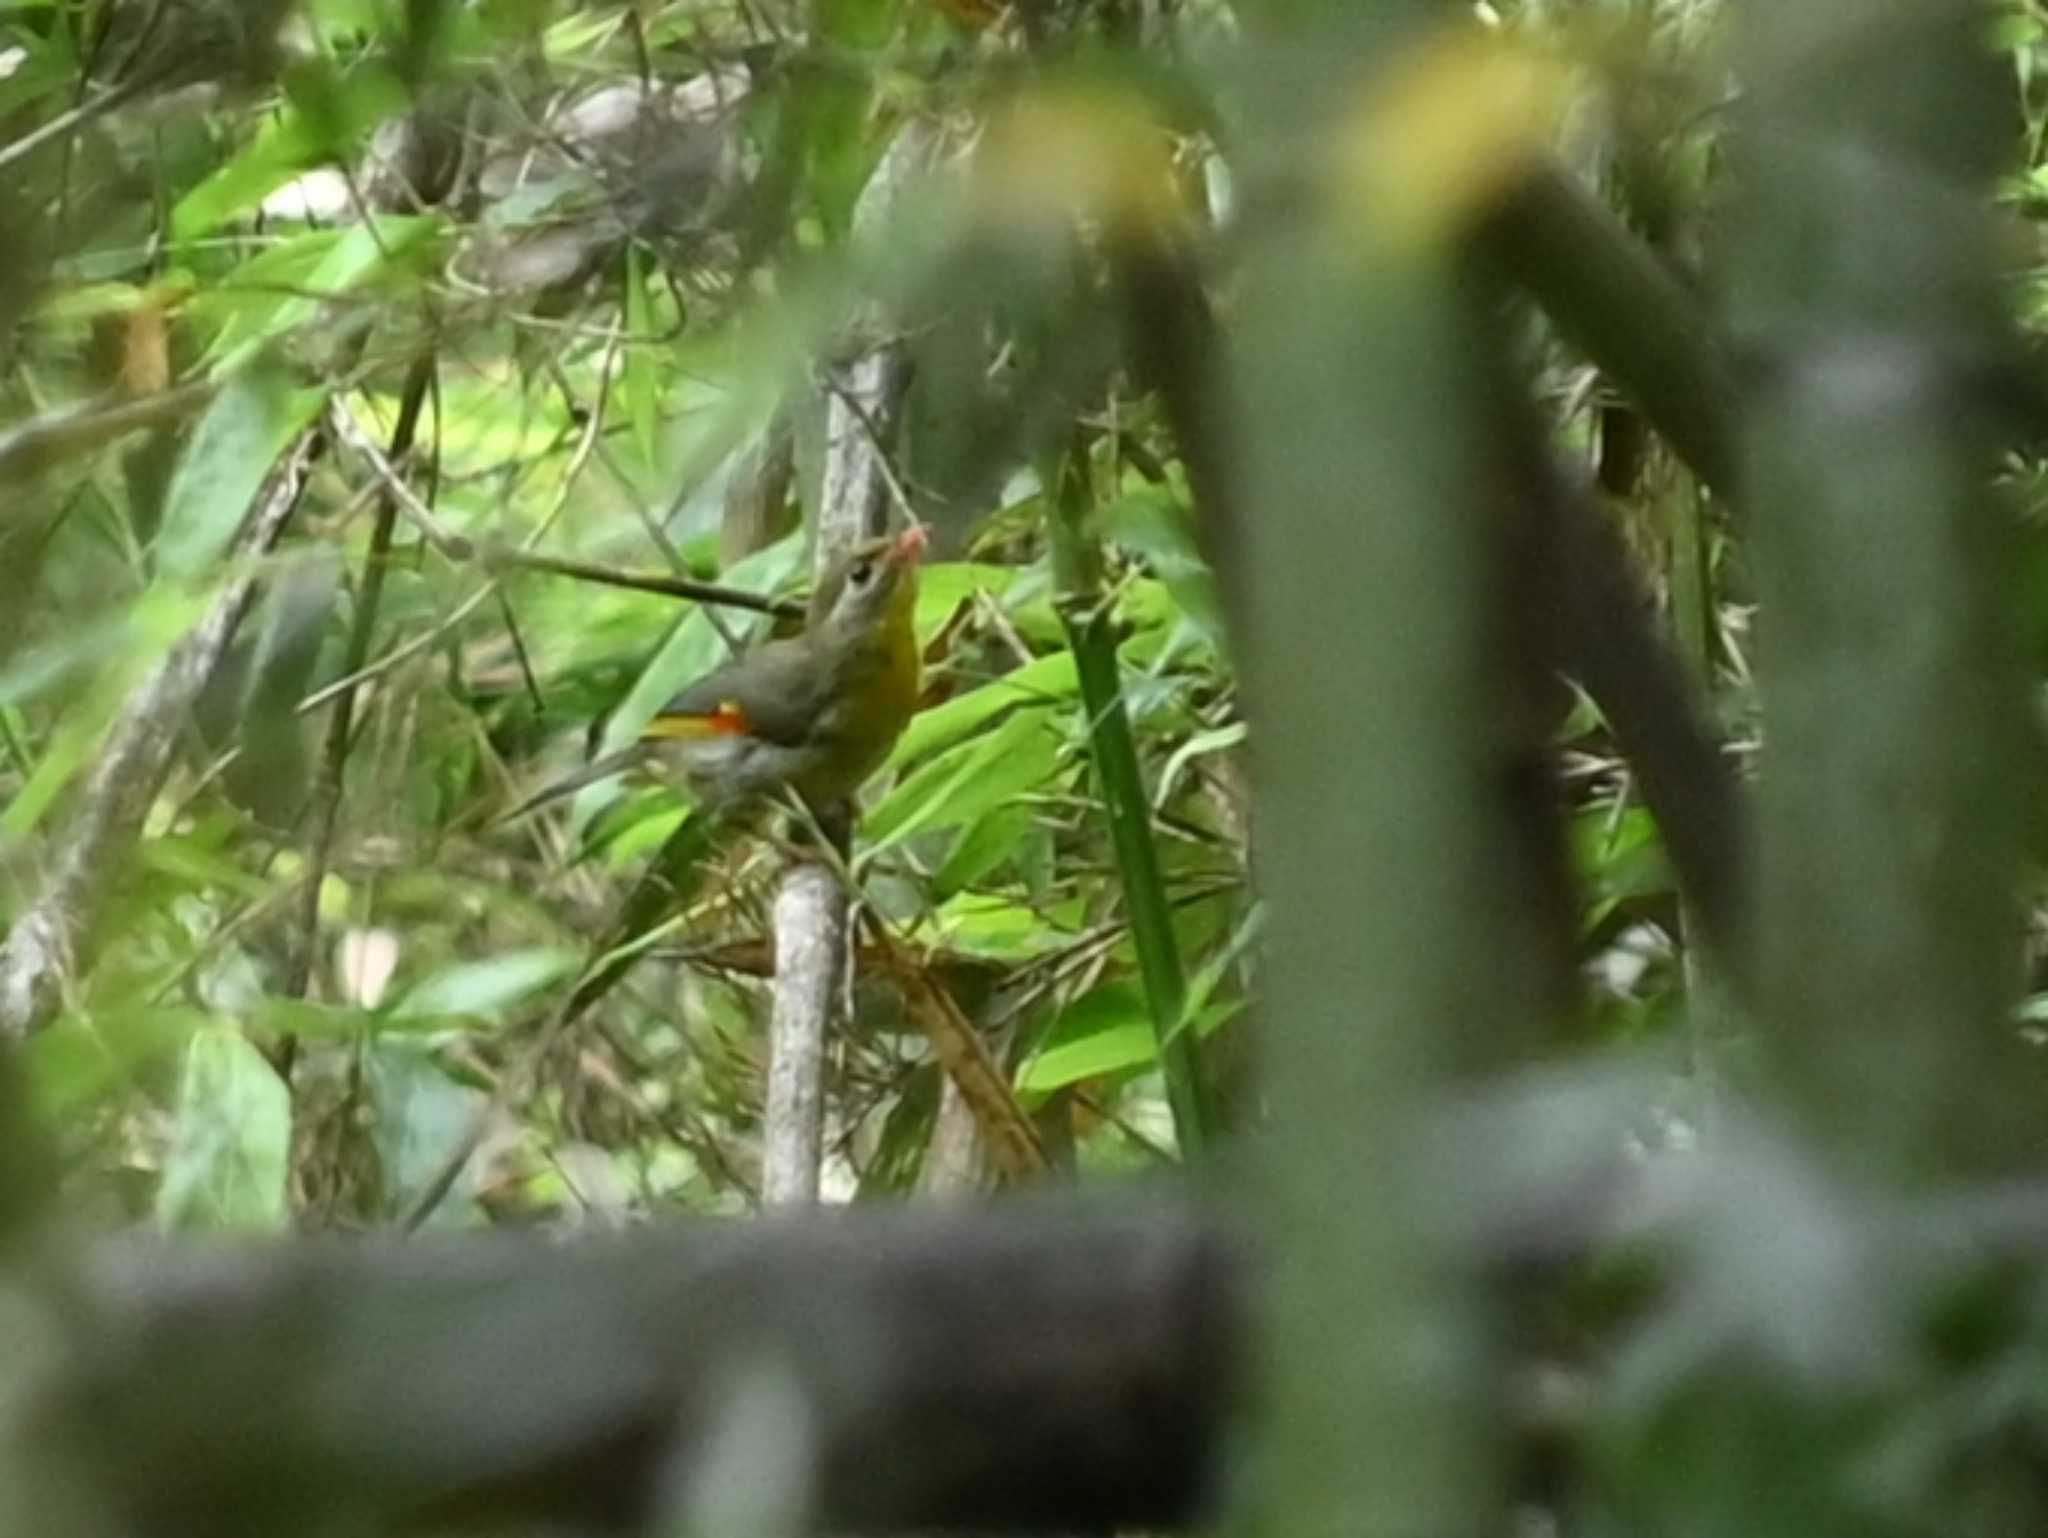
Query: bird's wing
774, 694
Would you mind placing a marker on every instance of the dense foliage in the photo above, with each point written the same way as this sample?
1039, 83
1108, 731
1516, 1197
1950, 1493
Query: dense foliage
592, 341
520, 318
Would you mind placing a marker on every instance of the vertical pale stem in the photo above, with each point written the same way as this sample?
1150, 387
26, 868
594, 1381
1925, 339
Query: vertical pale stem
810, 969
862, 408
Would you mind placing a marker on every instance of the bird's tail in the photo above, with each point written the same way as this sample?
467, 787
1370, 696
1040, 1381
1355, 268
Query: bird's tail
597, 769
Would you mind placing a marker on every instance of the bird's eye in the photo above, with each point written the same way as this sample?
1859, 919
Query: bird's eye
862, 571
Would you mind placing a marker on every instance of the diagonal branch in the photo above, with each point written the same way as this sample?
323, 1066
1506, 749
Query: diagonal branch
51, 943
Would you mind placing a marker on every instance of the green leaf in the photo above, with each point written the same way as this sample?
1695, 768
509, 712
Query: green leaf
300, 138
1217, 967
944, 586
1154, 523
531, 203
279, 1016
1101, 1032
146, 629
1105, 1032
1049, 680
320, 265
484, 989
1215, 740
271, 775
1622, 856
423, 1116
638, 388
892, 1169
153, 625
961, 784
243, 302
232, 451
231, 1138
982, 847
641, 829
999, 930
76, 1061
63, 756
195, 864
857, 23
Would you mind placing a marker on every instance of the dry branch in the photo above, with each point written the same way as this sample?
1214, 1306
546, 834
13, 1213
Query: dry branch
50, 944
971, 1069
664, 583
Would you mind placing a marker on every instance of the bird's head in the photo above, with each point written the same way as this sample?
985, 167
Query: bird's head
869, 588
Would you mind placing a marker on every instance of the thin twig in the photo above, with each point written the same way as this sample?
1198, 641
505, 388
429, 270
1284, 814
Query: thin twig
468, 605
400, 498
341, 726
644, 582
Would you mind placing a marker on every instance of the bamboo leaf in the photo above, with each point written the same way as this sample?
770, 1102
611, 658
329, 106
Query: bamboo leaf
245, 429
1047, 681
639, 387
299, 139
231, 1138
484, 989
960, 785
1108, 1031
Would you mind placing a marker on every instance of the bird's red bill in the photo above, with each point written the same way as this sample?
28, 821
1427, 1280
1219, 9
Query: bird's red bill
911, 542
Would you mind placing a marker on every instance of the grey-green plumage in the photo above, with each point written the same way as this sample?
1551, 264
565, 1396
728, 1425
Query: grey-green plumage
816, 712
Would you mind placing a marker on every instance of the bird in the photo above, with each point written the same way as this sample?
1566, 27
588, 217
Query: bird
815, 713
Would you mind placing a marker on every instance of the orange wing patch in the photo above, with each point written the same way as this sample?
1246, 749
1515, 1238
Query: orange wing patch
728, 720
972, 13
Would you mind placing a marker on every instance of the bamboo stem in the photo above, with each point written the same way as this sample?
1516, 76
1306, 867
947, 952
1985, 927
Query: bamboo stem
1077, 562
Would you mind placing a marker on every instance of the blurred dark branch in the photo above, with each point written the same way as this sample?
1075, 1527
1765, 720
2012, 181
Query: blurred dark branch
1175, 350
1046, 1367
1073, 1368
50, 943
1604, 628
1611, 296
1615, 299
1609, 640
